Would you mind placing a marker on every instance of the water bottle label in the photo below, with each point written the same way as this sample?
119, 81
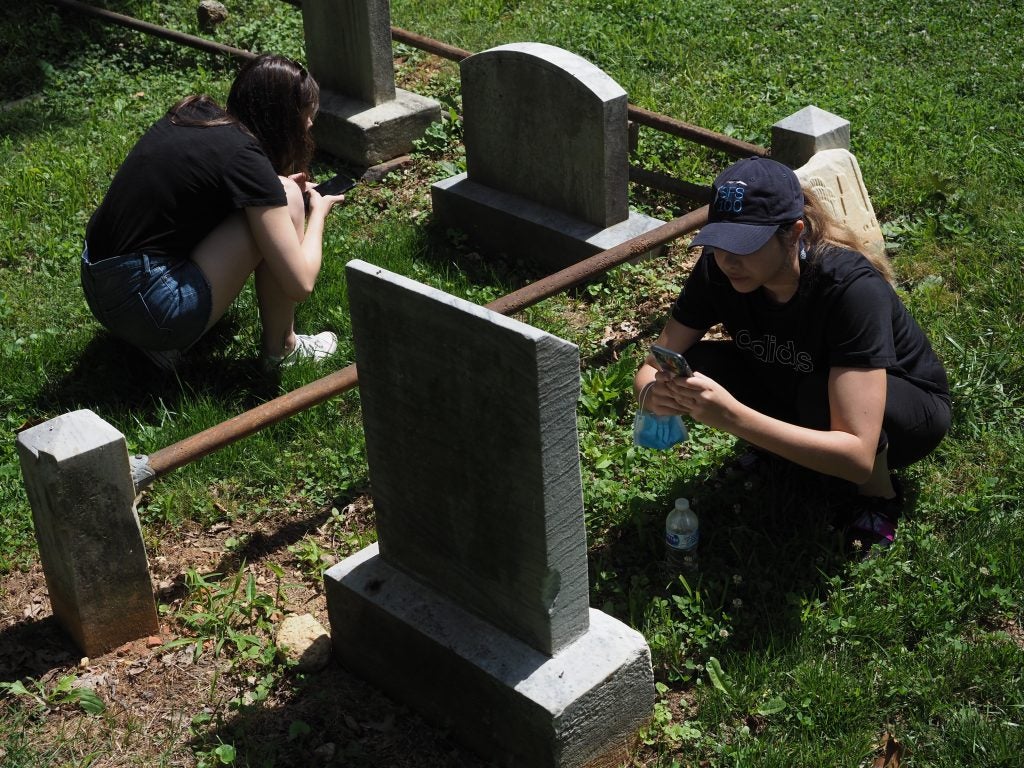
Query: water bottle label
682, 542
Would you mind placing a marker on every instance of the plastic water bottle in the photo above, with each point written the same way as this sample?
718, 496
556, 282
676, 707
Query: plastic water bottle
682, 532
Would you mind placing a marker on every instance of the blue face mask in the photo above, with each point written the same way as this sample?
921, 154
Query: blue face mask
659, 432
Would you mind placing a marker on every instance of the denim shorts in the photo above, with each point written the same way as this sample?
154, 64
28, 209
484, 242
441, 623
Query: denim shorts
152, 302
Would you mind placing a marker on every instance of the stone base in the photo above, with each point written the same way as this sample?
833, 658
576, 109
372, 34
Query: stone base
512, 224
502, 699
363, 135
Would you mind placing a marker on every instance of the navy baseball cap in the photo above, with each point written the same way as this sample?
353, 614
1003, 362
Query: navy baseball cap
752, 198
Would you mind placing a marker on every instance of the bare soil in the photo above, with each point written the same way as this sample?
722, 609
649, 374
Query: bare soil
152, 694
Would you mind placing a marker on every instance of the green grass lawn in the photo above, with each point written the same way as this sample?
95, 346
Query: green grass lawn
783, 652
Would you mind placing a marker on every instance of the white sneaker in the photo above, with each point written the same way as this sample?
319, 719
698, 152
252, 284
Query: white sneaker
315, 348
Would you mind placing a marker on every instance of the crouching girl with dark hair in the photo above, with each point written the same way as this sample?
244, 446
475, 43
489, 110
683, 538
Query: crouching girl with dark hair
207, 197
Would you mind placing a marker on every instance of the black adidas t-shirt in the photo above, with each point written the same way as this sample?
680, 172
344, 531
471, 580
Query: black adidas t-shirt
844, 314
176, 185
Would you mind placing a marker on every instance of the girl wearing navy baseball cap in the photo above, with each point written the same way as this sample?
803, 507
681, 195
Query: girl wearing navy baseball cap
824, 365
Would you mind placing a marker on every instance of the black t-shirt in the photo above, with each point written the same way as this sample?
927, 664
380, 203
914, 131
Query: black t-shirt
844, 314
176, 185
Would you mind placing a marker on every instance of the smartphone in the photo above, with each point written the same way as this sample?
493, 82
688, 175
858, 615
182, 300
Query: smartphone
671, 362
336, 186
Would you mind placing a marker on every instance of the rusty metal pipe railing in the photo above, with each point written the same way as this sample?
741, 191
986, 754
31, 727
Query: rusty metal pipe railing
152, 29
639, 115
429, 45
245, 424
663, 123
209, 440
695, 133
599, 263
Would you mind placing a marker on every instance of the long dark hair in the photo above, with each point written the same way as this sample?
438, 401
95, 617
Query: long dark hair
272, 98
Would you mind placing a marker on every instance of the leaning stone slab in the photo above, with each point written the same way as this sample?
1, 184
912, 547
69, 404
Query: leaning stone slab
500, 697
835, 178
797, 138
547, 168
80, 488
363, 119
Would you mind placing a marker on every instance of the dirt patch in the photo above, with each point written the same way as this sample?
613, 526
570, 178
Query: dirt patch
163, 705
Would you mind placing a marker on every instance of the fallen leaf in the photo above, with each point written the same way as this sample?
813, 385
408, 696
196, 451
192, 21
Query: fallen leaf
892, 752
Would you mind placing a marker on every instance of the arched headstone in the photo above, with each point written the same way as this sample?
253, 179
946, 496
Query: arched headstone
547, 166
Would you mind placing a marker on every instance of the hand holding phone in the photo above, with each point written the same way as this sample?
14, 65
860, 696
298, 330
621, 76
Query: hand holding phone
336, 186
671, 361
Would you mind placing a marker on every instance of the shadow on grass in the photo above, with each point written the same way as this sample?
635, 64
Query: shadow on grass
770, 542
111, 376
38, 39
33, 647
333, 717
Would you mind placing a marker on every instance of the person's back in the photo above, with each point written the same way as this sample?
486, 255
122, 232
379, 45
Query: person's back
179, 182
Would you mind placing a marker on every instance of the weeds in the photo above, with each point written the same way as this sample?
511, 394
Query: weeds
43, 699
232, 616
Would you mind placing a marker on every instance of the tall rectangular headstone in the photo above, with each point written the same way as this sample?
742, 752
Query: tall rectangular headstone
547, 166
348, 47
363, 119
80, 488
474, 604
472, 445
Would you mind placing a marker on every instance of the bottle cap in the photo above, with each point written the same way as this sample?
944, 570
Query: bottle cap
682, 503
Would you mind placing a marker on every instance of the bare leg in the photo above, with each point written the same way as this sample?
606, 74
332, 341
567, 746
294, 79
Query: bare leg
228, 255
879, 484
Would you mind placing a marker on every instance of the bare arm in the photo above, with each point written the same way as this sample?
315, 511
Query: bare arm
293, 249
847, 449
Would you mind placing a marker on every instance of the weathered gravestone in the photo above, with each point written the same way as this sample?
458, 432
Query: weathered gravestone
473, 605
835, 178
79, 484
363, 119
547, 166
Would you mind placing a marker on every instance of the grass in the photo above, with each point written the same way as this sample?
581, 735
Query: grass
782, 652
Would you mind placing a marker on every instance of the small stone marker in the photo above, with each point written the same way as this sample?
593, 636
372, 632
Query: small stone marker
210, 13
834, 176
363, 119
304, 640
473, 605
80, 487
547, 166
797, 138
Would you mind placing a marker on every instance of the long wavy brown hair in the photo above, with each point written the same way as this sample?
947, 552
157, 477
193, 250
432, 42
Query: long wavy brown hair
821, 228
272, 98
